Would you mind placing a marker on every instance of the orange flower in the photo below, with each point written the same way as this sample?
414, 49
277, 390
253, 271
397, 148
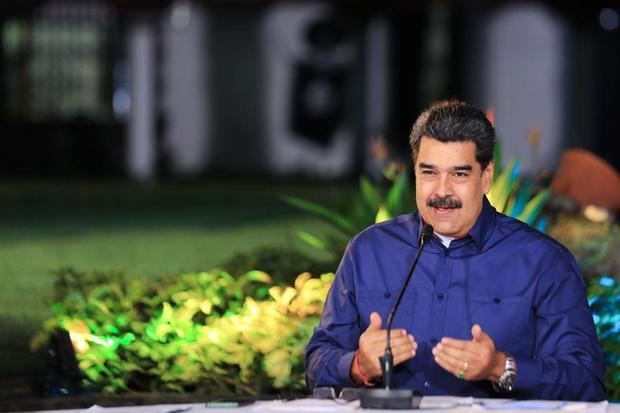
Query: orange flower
491, 115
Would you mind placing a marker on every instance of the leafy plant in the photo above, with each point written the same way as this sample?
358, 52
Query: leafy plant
604, 299
514, 196
371, 205
203, 331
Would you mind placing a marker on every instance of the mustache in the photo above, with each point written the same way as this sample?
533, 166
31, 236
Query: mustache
444, 203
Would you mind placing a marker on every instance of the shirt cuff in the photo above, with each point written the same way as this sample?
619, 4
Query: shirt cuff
344, 369
528, 375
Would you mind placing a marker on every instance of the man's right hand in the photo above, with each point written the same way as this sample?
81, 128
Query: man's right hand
372, 346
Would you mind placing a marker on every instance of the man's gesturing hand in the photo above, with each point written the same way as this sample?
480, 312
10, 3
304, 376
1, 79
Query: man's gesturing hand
372, 346
471, 360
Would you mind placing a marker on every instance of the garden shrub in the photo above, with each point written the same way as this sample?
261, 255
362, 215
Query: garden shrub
204, 331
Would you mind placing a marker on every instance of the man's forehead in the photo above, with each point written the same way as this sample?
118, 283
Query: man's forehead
435, 152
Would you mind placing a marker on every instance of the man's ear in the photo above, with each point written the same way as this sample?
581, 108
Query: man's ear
487, 177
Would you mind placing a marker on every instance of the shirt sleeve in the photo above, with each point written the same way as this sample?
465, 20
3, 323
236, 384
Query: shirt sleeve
331, 349
568, 359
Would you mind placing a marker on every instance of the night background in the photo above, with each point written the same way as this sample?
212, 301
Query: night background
161, 140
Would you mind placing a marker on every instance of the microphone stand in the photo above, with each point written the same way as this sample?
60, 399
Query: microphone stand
386, 397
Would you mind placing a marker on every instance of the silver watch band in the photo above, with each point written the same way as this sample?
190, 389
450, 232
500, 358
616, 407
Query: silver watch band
507, 379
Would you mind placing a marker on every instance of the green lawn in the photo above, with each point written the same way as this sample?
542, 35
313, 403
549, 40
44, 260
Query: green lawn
147, 231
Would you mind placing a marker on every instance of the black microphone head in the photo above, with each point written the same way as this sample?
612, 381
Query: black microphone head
427, 232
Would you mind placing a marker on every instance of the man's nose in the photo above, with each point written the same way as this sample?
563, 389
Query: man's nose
444, 186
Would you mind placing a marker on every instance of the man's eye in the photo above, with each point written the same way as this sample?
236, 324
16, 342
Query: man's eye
460, 174
427, 172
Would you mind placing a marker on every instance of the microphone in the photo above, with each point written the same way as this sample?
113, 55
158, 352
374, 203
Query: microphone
386, 397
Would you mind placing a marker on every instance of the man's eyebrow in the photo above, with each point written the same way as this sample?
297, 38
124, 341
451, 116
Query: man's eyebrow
463, 168
424, 165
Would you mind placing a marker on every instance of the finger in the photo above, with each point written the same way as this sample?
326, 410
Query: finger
401, 338
478, 334
404, 344
449, 367
455, 343
467, 353
454, 356
375, 344
454, 366
447, 354
404, 352
375, 322
403, 356
398, 332
380, 336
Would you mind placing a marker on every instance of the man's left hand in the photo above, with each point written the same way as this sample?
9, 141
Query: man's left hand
475, 359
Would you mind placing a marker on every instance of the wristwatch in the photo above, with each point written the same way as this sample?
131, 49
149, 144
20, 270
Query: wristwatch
507, 380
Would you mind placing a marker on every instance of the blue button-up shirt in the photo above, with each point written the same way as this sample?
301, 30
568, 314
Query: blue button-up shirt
523, 288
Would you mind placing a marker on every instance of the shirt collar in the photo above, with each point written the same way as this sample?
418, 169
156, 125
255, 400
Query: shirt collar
484, 224
481, 229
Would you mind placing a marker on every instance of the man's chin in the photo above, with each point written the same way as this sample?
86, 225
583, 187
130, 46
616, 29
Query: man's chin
442, 227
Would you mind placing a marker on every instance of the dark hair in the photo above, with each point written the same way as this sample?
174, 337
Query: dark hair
453, 121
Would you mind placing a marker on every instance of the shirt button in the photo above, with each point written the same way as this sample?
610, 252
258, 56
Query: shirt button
433, 341
497, 300
387, 295
440, 296
427, 384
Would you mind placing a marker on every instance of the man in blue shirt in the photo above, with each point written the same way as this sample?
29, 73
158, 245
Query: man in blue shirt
494, 308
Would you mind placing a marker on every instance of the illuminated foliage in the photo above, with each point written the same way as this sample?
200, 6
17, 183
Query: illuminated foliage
204, 331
